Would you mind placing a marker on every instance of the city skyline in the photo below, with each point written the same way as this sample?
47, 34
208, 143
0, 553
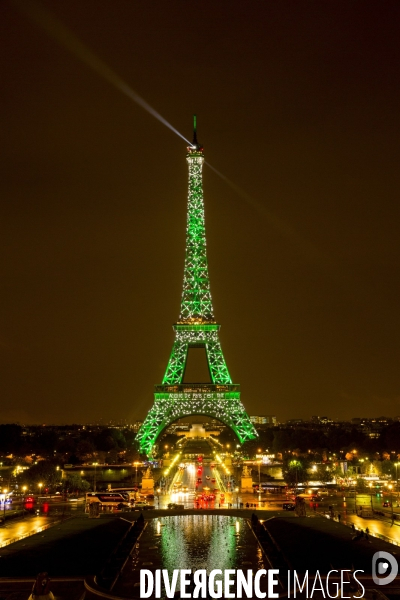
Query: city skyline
297, 109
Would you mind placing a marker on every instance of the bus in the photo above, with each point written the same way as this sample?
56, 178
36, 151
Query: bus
108, 499
133, 492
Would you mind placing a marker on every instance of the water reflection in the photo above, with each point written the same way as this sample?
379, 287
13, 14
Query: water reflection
206, 542
191, 542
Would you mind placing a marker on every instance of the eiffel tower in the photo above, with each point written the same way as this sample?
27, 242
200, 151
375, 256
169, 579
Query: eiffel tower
195, 328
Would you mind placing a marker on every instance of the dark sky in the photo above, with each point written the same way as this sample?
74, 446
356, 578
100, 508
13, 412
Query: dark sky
298, 105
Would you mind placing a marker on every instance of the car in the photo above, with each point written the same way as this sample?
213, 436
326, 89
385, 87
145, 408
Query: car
288, 506
140, 504
386, 504
174, 506
199, 480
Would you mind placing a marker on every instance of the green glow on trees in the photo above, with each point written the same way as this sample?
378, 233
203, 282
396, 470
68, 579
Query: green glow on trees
196, 327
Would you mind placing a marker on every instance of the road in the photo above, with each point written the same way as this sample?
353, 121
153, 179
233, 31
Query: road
20, 527
191, 470
206, 478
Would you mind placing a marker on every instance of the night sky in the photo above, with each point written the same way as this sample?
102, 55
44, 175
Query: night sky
298, 106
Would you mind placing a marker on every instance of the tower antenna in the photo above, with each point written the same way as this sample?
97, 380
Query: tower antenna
195, 130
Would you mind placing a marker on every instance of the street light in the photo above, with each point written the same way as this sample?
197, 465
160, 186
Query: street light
391, 500
370, 491
4, 506
237, 497
94, 479
136, 466
40, 485
397, 481
158, 497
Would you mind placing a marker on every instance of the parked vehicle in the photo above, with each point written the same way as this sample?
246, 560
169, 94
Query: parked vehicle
365, 511
106, 499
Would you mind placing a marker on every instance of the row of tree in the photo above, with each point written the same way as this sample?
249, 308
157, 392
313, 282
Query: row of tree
319, 440
49, 476
79, 444
71, 444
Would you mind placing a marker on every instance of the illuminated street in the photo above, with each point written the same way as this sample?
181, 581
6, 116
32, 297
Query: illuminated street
209, 483
28, 525
375, 526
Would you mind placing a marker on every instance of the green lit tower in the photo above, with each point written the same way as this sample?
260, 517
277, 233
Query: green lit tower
196, 327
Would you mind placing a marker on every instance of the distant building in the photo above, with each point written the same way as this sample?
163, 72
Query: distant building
263, 420
371, 427
320, 420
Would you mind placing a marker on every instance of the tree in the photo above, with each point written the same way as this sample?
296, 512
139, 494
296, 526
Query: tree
104, 440
84, 449
282, 440
43, 472
75, 483
44, 441
10, 438
324, 474
387, 467
295, 471
390, 438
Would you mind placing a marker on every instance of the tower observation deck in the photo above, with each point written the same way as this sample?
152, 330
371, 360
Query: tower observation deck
196, 327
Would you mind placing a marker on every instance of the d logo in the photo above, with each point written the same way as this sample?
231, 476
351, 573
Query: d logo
384, 563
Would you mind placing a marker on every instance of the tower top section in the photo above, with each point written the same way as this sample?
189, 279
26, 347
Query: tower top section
196, 304
195, 148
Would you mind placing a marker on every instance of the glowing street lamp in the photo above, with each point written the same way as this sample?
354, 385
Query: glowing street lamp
4, 506
391, 500
397, 481
136, 464
94, 478
259, 479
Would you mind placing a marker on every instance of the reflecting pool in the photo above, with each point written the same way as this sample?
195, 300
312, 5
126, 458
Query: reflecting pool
191, 542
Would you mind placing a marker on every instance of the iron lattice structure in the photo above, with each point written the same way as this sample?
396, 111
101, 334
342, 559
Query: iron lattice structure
196, 327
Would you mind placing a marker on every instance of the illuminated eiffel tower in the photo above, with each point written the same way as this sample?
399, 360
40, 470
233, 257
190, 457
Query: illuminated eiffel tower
195, 328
